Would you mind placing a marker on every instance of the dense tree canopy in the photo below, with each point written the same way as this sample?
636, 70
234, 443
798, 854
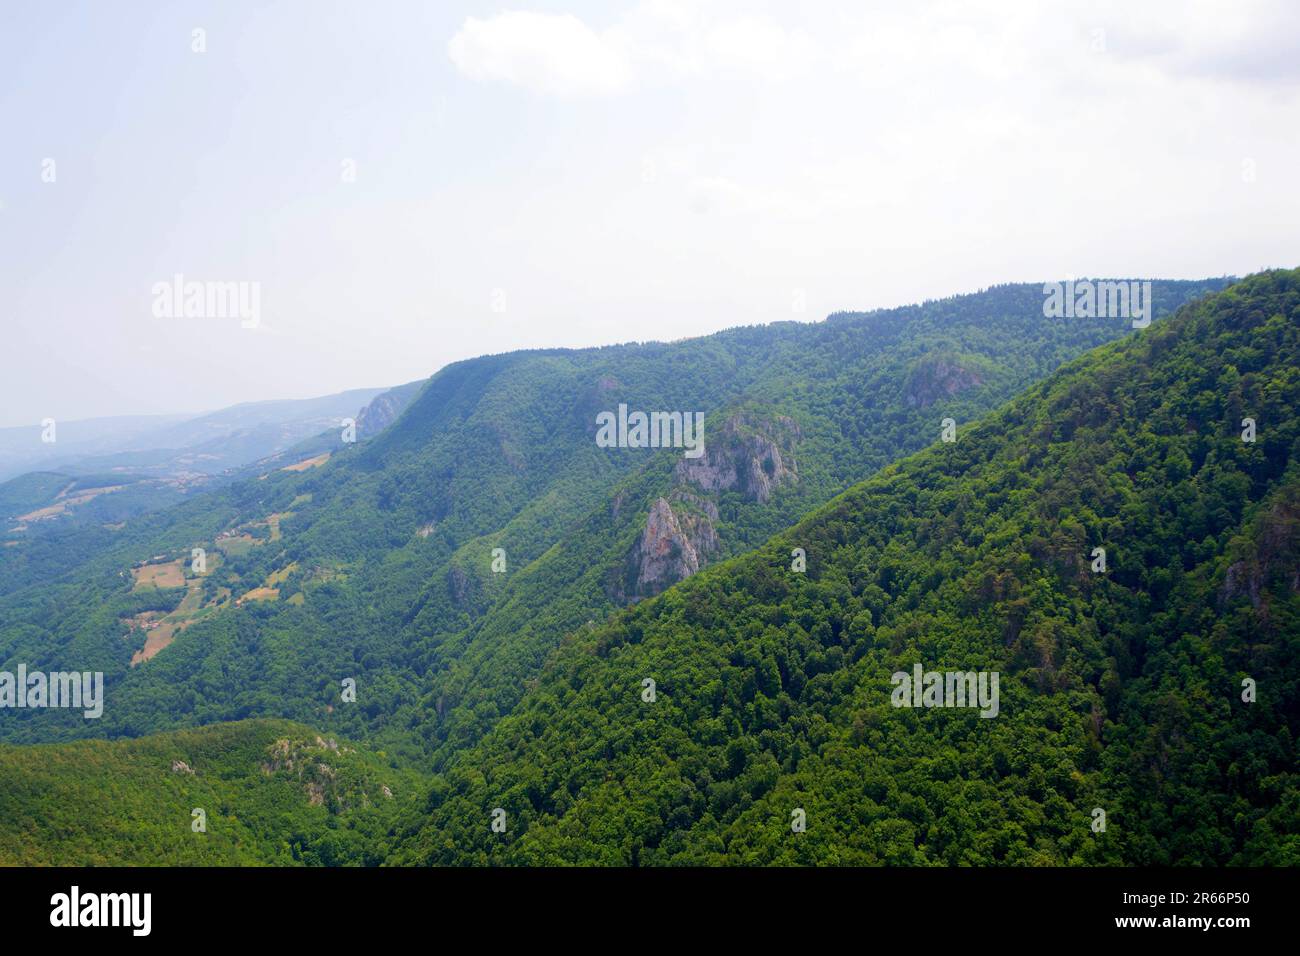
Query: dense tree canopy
1121, 690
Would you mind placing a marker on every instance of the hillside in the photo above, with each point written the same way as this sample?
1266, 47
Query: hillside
272, 792
1121, 690
374, 562
50, 520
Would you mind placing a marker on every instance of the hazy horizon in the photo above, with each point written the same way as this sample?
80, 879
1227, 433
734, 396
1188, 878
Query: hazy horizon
200, 412
185, 413
407, 187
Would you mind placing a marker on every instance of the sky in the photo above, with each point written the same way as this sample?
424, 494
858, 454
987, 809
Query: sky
409, 184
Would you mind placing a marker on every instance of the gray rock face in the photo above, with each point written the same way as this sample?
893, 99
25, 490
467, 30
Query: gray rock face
1272, 558
462, 587
672, 546
384, 409
938, 378
752, 456
749, 454
663, 555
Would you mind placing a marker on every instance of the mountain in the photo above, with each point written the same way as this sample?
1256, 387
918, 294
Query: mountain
372, 419
385, 408
375, 562
21, 448
1148, 710
180, 447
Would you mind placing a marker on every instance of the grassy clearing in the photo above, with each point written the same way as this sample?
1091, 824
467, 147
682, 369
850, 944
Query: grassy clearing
167, 575
306, 463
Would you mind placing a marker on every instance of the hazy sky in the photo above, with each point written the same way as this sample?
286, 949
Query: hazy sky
575, 174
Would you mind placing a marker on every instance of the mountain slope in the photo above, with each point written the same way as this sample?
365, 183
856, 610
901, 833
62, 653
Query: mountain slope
1121, 691
855, 394
376, 564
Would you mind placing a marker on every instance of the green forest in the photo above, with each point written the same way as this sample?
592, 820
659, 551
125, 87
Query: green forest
270, 792
1121, 690
828, 539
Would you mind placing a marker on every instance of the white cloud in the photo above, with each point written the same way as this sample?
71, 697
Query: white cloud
760, 45
655, 42
1250, 42
550, 53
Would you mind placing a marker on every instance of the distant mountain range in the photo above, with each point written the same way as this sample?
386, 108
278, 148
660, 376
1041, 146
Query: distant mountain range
108, 470
177, 446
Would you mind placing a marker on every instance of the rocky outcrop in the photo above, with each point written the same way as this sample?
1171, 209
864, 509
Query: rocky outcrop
751, 455
663, 555
302, 761
698, 518
1271, 558
671, 547
934, 379
384, 409
1243, 577
462, 587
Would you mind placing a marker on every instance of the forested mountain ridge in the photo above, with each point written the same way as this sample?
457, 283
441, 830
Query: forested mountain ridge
846, 398
376, 563
1159, 697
